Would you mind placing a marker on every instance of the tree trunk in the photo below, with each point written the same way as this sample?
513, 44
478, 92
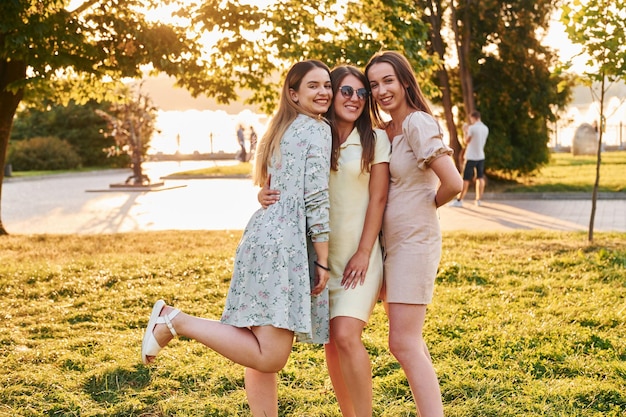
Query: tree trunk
462, 37
436, 19
596, 184
136, 157
10, 71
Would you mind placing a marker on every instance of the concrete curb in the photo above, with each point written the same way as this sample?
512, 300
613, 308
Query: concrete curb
549, 196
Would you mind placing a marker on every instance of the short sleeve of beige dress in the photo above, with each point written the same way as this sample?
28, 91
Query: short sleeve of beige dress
411, 232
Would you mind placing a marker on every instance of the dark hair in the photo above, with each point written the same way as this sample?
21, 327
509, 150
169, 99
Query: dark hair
363, 123
406, 77
475, 114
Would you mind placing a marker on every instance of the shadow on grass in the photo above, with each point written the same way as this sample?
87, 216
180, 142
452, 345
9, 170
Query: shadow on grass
111, 386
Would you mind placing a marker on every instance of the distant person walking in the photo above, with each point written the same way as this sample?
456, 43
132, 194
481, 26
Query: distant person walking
242, 143
253, 140
475, 141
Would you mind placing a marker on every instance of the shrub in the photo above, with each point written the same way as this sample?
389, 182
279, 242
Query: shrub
43, 154
77, 124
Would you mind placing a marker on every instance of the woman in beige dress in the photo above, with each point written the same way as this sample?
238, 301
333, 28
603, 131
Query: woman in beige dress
423, 178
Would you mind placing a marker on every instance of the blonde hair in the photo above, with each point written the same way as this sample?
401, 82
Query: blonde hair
288, 110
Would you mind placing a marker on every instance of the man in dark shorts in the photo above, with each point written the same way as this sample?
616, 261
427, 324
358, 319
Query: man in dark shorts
475, 141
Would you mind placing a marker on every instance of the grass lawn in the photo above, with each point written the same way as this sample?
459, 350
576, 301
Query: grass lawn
240, 169
26, 174
523, 324
566, 172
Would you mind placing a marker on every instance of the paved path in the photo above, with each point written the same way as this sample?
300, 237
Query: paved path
85, 204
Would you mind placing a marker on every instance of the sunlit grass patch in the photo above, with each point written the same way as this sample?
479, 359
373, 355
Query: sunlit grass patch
568, 173
522, 324
240, 169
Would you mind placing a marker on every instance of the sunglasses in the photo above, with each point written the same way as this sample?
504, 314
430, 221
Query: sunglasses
347, 92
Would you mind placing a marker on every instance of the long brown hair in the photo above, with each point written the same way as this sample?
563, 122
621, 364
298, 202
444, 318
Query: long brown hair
363, 123
414, 96
288, 110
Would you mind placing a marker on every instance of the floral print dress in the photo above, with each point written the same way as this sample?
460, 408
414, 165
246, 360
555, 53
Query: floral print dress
272, 275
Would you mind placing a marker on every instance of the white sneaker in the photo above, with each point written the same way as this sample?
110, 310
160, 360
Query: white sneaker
478, 203
456, 203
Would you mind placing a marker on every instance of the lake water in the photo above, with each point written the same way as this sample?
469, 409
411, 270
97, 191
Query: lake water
207, 131
204, 131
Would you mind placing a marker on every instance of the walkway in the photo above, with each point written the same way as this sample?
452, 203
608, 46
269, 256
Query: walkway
85, 204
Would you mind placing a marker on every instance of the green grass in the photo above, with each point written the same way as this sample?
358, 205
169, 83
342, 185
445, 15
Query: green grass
568, 173
19, 174
522, 324
240, 169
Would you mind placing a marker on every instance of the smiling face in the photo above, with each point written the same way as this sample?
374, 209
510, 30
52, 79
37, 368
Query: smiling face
347, 104
315, 92
386, 88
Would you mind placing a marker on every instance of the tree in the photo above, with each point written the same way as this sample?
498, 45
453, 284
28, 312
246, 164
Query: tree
49, 53
434, 14
131, 124
503, 70
599, 26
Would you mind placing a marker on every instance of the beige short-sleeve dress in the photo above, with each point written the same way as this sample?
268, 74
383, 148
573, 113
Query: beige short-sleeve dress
411, 233
349, 198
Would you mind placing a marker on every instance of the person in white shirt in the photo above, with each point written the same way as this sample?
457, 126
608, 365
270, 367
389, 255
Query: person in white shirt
475, 141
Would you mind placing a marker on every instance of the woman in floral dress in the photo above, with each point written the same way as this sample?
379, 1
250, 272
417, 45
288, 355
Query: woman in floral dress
273, 296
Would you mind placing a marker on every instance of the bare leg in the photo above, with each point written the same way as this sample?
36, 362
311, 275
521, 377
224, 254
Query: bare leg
349, 367
406, 344
465, 189
262, 393
264, 348
339, 385
480, 188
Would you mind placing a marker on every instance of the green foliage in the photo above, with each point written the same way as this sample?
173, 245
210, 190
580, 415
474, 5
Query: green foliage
515, 85
50, 53
599, 26
43, 153
73, 54
79, 125
257, 44
522, 324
